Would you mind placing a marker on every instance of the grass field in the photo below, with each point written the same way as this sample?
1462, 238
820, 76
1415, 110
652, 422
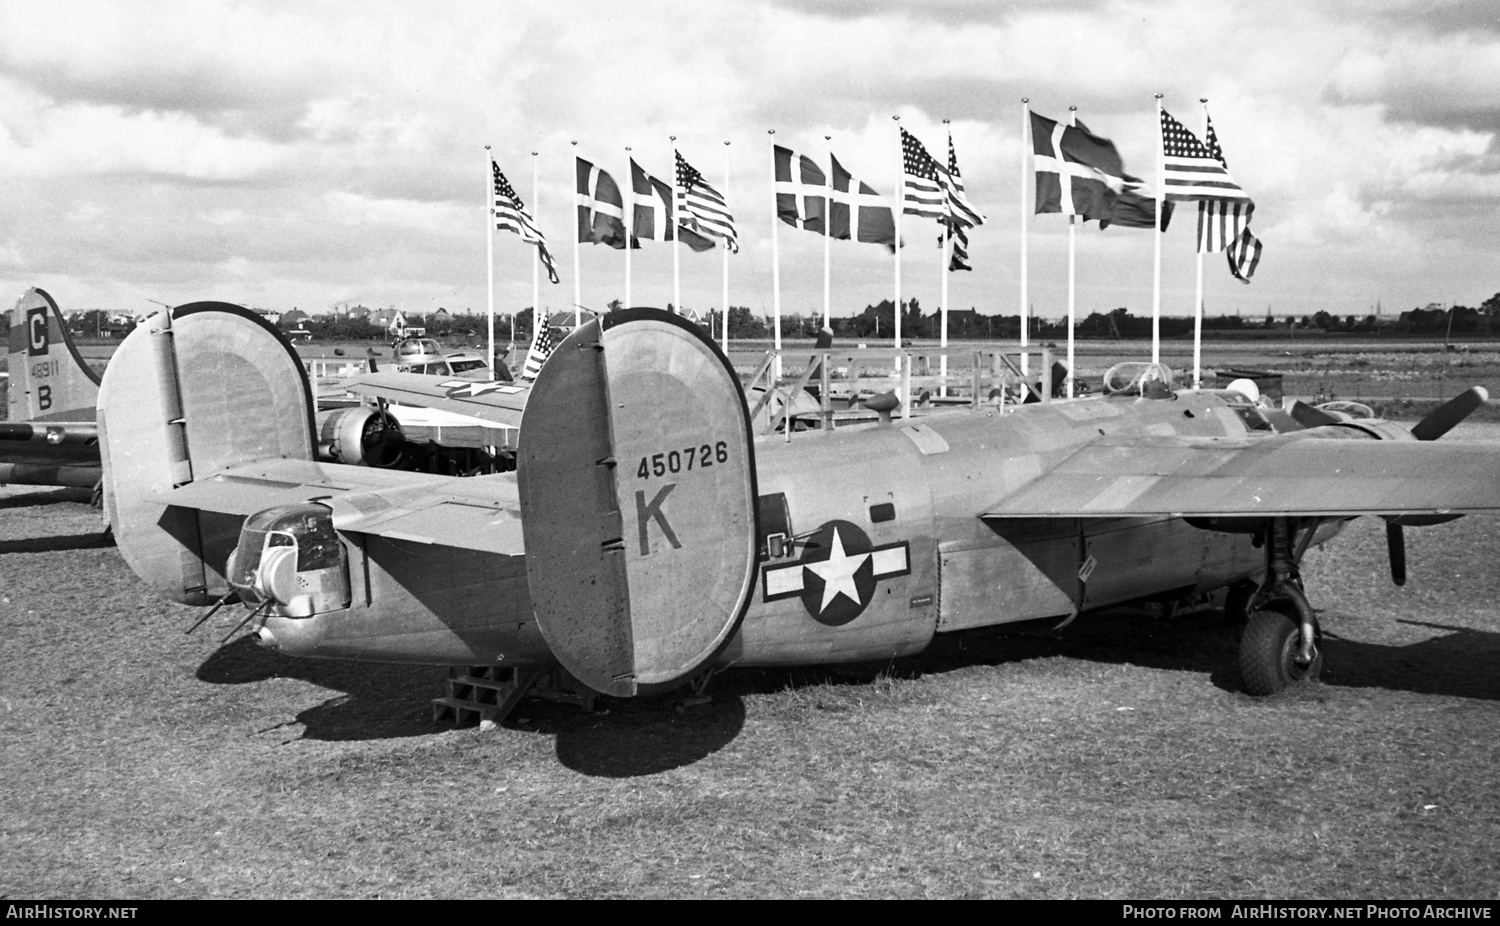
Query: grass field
1115, 759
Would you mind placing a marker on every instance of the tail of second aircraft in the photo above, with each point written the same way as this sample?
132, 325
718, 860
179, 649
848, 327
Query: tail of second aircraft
187, 394
638, 501
49, 380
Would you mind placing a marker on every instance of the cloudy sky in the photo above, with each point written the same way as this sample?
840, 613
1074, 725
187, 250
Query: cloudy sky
308, 155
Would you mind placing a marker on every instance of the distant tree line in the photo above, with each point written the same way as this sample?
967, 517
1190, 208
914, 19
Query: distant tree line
878, 321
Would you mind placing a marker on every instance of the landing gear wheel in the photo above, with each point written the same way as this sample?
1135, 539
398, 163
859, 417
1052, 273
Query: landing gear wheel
1270, 650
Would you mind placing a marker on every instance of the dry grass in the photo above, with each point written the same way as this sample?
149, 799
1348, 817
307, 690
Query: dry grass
1116, 759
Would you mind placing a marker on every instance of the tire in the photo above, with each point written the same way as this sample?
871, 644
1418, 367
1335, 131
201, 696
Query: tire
1268, 651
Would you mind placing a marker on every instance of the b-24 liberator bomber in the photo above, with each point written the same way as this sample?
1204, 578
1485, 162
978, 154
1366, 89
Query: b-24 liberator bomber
647, 539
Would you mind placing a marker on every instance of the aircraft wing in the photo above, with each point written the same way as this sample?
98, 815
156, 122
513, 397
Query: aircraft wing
501, 403
1291, 475
476, 513
53, 443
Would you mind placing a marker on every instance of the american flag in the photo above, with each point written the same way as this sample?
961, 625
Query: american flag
1244, 256
959, 206
1220, 221
959, 259
1224, 224
922, 190
1192, 171
510, 215
701, 208
962, 214
541, 347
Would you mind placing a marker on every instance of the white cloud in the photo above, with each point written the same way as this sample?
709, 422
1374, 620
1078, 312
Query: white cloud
300, 154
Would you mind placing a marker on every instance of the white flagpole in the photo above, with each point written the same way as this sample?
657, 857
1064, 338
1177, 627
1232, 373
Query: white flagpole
943, 259
673, 226
629, 198
776, 260
724, 318
1198, 291
489, 242
536, 264
1072, 270
1026, 148
828, 237
900, 202
1161, 203
577, 275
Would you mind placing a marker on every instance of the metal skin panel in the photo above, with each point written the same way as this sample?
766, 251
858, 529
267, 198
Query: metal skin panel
874, 596
638, 507
415, 603
1131, 559
1330, 472
241, 395
1019, 574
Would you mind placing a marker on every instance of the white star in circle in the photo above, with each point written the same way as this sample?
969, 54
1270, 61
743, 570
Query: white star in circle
837, 573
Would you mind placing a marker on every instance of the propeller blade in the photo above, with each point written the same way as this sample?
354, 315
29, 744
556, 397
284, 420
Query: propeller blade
1450, 413
1395, 542
1310, 417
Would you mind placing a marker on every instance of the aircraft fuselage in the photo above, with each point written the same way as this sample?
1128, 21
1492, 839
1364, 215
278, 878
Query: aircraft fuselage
869, 545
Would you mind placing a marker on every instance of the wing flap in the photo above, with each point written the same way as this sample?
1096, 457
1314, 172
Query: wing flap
1204, 477
475, 513
501, 403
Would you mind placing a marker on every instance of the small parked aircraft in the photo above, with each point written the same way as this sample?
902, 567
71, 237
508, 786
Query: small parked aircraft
49, 437
648, 539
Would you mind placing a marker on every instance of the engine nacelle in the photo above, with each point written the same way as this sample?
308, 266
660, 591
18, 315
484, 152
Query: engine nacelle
1378, 428
360, 436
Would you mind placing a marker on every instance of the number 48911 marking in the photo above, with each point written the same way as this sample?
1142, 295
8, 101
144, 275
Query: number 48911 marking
677, 461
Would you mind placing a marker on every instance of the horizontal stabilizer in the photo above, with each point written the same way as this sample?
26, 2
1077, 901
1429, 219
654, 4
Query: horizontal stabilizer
480, 513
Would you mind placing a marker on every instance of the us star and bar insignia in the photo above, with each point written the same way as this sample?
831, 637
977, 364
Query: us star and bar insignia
837, 575
464, 389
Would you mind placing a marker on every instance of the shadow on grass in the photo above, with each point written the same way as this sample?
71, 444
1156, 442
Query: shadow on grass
379, 701
628, 739
645, 736
90, 540
621, 739
1463, 664
41, 496
1459, 664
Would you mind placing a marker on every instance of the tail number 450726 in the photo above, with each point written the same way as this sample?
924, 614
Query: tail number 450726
678, 461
